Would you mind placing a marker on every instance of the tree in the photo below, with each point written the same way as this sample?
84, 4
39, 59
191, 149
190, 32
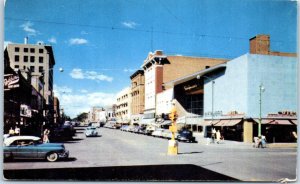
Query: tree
82, 117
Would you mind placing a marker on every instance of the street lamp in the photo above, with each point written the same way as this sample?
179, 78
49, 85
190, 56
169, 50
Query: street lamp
212, 95
261, 90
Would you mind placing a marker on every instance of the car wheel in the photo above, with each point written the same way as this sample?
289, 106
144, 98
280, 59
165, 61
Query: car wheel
52, 157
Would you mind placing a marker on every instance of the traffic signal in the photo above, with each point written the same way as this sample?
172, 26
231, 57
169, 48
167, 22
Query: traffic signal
173, 115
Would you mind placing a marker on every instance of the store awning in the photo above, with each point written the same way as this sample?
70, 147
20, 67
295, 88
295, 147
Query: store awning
228, 122
209, 122
294, 121
279, 122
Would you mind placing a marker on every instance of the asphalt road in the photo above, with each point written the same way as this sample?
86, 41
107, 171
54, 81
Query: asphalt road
123, 156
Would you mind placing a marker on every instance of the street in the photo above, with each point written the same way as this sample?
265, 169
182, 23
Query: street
123, 152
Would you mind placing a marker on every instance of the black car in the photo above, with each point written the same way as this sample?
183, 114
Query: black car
186, 135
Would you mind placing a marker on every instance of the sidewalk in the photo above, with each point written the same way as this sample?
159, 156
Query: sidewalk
228, 143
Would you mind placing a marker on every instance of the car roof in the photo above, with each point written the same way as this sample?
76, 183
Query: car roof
10, 140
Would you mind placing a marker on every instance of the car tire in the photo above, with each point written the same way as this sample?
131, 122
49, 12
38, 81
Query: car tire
52, 157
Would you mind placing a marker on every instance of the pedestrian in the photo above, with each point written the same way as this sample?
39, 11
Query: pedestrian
11, 132
46, 136
263, 141
17, 130
213, 135
218, 135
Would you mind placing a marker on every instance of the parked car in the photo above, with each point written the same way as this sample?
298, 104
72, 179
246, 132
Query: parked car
167, 134
186, 135
123, 127
31, 147
91, 132
150, 129
157, 133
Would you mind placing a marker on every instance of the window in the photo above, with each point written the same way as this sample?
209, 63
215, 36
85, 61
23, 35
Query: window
17, 58
32, 59
41, 59
16, 66
17, 49
25, 58
41, 51
25, 49
32, 50
32, 68
41, 69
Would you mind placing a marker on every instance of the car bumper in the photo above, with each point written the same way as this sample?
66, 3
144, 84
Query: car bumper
64, 154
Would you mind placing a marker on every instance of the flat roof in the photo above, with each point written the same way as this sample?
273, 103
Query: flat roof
194, 75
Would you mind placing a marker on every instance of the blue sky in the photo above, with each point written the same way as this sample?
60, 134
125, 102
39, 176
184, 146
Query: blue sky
100, 43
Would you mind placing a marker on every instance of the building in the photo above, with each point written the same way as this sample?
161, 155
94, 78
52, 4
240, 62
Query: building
39, 60
137, 95
231, 95
22, 103
56, 109
123, 105
160, 69
97, 114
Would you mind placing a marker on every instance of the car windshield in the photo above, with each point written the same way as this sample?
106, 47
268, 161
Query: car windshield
91, 128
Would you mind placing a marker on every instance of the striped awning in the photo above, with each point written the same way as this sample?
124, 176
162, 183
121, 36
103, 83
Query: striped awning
228, 122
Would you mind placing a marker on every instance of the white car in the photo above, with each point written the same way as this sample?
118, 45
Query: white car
157, 133
91, 132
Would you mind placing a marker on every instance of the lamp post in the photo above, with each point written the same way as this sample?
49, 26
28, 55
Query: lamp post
261, 90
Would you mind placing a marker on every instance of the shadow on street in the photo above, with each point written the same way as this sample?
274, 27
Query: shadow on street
70, 159
186, 172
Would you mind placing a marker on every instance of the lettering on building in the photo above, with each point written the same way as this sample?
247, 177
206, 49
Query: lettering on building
11, 81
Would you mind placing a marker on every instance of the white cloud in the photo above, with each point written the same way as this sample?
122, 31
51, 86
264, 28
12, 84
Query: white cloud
129, 24
83, 91
77, 41
77, 73
74, 104
129, 70
27, 27
52, 40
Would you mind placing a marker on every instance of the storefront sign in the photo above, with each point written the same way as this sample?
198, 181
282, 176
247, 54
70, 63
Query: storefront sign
25, 111
189, 87
216, 113
11, 81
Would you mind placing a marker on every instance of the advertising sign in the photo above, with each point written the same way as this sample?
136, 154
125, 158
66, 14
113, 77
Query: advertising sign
25, 111
11, 81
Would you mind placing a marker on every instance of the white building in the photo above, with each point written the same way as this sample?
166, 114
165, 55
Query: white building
123, 109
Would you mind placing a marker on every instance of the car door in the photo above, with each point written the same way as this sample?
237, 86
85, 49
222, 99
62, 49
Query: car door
26, 150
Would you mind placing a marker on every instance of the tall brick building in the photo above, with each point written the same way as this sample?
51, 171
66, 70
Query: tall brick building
137, 95
160, 68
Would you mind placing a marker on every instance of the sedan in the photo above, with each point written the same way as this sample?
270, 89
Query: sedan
31, 147
91, 132
186, 135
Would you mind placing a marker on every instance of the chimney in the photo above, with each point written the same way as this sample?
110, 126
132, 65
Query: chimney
158, 53
26, 40
260, 44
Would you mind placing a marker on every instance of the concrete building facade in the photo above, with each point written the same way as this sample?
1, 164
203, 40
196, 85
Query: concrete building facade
123, 105
37, 59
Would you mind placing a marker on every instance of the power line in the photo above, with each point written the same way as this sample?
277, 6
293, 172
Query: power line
141, 30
